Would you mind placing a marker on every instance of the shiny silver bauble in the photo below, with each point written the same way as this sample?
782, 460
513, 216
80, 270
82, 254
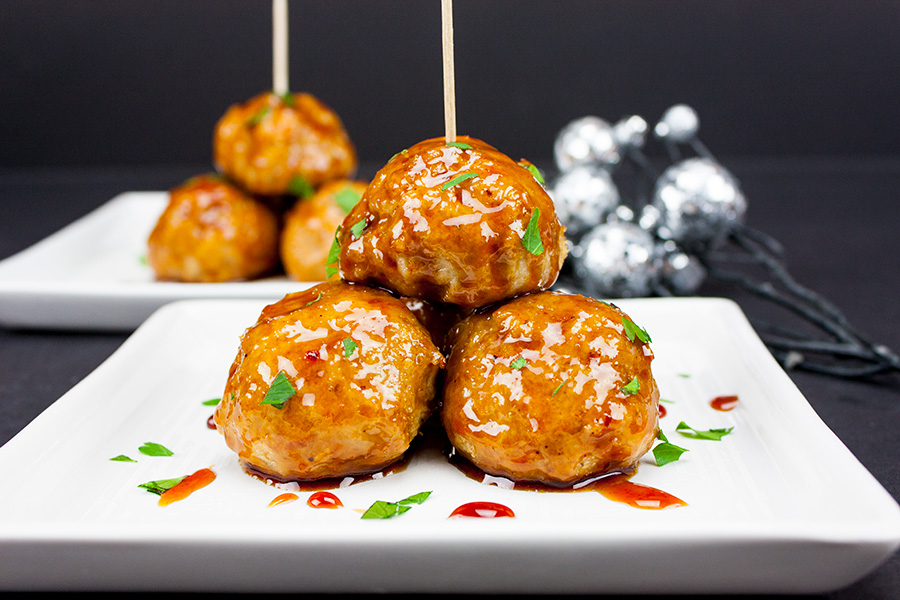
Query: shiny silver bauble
586, 141
630, 132
699, 202
678, 124
679, 272
583, 197
616, 261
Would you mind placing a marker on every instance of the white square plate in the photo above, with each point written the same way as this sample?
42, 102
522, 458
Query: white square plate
92, 274
779, 505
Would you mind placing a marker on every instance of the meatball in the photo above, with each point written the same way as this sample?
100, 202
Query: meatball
309, 228
272, 144
550, 388
211, 231
332, 381
460, 224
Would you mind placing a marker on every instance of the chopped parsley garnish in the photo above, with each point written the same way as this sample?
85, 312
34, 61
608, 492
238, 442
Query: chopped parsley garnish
212, 402
300, 187
460, 145
154, 449
258, 116
314, 300
518, 363
288, 99
280, 390
532, 238
398, 154
535, 172
161, 485
632, 331
349, 347
709, 434
458, 179
631, 388
559, 387
666, 452
122, 458
346, 198
357, 228
334, 254
385, 510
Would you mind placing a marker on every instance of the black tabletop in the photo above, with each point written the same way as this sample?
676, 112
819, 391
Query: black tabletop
837, 219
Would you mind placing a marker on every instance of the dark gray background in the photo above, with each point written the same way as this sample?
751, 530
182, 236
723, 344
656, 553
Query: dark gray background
137, 83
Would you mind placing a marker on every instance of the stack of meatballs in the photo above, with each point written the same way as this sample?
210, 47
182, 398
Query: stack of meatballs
284, 164
441, 306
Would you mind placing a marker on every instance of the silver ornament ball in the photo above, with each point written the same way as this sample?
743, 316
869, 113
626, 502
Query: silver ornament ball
583, 197
617, 261
586, 141
630, 132
679, 124
680, 272
699, 202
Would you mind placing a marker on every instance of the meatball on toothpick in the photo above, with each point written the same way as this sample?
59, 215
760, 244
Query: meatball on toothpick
459, 223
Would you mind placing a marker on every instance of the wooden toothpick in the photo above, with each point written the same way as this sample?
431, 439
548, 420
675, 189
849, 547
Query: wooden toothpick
449, 84
280, 47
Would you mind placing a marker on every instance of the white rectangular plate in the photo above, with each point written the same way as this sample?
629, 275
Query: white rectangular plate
779, 505
93, 274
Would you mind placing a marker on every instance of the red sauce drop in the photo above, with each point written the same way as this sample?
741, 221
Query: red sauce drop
283, 499
724, 403
662, 411
211, 421
324, 500
620, 488
187, 486
482, 510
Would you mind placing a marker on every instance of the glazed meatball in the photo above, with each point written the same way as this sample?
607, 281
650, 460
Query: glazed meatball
309, 228
211, 231
272, 143
460, 224
549, 388
331, 381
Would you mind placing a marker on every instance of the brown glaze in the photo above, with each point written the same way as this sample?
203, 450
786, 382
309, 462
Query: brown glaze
461, 245
562, 416
354, 411
309, 228
210, 231
265, 142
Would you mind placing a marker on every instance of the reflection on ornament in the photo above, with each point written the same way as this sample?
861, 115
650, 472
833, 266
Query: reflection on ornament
678, 124
630, 132
586, 141
699, 202
617, 260
583, 197
680, 273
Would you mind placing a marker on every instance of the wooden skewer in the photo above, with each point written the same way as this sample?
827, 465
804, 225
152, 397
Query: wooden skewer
449, 84
280, 47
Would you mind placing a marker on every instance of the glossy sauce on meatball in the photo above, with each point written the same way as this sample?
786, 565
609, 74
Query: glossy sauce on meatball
363, 372
549, 388
309, 227
268, 141
461, 224
211, 231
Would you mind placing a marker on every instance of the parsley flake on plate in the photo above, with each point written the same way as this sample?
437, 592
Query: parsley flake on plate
385, 510
666, 452
154, 449
709, 434
161, 485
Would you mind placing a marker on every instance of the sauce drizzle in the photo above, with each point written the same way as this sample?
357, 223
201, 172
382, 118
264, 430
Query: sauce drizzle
724, 403
187, 486
283, 498
324, 500
482, 510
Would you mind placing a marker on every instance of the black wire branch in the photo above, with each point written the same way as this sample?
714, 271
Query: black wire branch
792, 348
